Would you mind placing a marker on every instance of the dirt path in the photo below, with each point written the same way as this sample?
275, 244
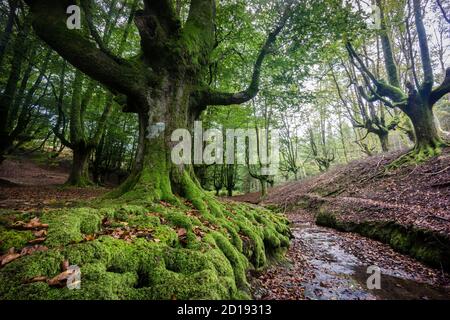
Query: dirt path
25, 185
330, 265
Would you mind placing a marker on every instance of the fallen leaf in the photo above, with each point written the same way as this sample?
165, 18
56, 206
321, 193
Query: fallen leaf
37, 240
40, 233
31, 249
32, 224
65, 265
181, 232
61, 279
9, 257
89, 237
36, 279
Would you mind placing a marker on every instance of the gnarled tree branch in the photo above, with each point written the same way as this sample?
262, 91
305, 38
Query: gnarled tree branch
442, 90
49, 18
211, 97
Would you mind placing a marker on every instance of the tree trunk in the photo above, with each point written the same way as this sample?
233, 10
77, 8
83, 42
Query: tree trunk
154, 177
384, 141
263, 183
427, 138
4, 39
79, 175
230, 192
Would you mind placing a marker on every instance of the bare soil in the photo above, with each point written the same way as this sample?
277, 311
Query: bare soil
26, 185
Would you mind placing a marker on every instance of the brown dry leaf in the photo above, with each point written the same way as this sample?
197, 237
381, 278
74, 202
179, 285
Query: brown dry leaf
29, 250
37, 240
40, 233
106, 222
198, 232
36, 279
65, 265
34, 223
156, 240
166, 204
7, 258
181, 232
89, 237
61, 279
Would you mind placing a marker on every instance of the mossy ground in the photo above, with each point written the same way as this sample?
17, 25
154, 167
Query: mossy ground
222, 242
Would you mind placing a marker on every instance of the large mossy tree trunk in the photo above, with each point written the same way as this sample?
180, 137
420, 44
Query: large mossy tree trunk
165, 109
164, 87
384, 140
427, 139
263, 183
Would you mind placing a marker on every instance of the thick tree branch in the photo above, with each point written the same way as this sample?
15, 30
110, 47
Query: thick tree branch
424, 50
49, 17
383, 89
157, 23
442, 90
389, 61
210, 97
447, 18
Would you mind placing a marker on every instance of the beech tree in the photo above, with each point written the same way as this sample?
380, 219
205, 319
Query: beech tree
417, 98
164, 85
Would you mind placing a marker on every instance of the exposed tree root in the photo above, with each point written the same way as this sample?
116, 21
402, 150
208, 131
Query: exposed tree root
419, 154
143, 241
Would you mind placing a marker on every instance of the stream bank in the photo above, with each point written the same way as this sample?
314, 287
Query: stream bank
325, 264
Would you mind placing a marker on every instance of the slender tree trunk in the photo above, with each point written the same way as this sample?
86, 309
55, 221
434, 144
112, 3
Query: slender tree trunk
6, 36
8, 95
384, 140
263, 184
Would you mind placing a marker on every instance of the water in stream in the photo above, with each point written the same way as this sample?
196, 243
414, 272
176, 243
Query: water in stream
340, 275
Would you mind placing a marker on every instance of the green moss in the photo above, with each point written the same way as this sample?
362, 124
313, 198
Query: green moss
68, 226
211, 264
237, 260
13, 239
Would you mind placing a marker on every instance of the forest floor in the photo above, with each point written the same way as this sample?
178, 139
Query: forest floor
323, 263
26, 184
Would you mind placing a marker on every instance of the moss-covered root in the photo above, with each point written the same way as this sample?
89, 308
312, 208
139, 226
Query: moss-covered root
186, 254
419, 154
